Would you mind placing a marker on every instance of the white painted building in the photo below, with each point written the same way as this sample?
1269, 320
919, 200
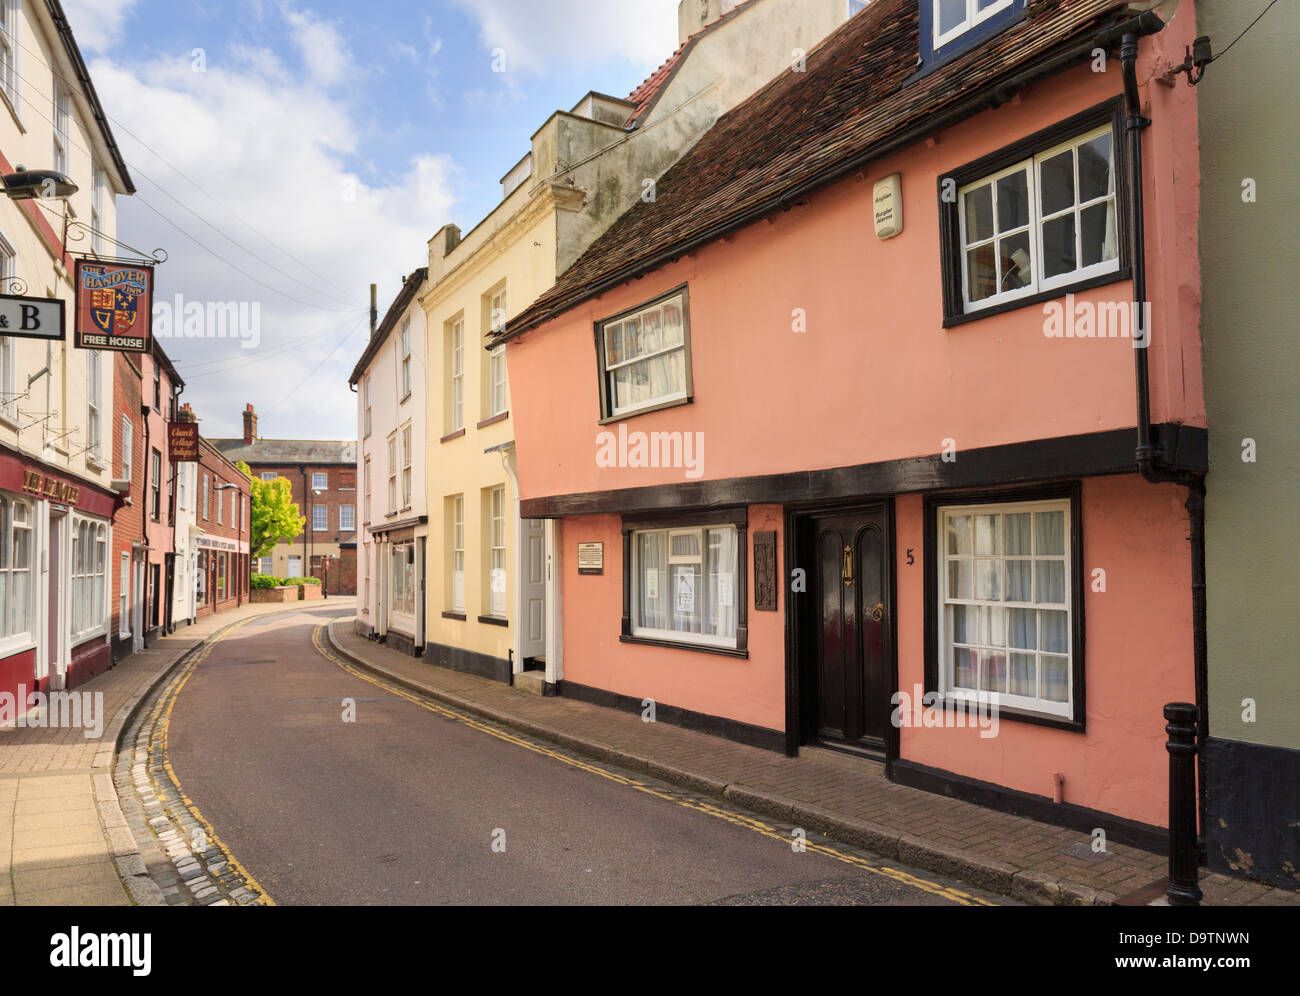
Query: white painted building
56, 402
391, 382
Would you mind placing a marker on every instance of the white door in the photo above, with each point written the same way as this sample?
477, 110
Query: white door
295, 566
533, 537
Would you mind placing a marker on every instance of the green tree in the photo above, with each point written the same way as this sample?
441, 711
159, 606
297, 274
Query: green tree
273, 513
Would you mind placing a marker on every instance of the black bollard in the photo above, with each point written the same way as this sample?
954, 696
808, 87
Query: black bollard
1184, 888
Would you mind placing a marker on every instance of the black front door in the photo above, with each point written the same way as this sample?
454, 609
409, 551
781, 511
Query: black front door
851, 597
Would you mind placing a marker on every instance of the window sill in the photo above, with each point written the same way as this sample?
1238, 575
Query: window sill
493, 420
452, 435
494, 620
16, 645
13, 109
703, 648
1015, 715
1101, 280
404, 398
454, 615
624, 416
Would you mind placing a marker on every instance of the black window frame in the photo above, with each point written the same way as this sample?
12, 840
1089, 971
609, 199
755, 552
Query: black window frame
738, 517
1068, 490
607, 415
950, 250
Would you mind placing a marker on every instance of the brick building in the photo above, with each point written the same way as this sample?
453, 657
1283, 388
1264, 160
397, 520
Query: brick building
322, 476
220, 534
145, 572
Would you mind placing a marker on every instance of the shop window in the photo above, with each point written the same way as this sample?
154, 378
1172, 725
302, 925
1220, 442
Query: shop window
16, 576
403, 578
89, 573
684, 581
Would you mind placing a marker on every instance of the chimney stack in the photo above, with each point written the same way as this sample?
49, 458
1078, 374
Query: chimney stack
250, 425
692, 15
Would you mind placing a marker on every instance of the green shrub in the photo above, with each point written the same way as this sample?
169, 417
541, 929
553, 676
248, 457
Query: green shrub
264, 581
301, 581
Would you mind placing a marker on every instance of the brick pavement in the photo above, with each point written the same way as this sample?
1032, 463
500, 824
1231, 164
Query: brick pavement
820, 790
64, 840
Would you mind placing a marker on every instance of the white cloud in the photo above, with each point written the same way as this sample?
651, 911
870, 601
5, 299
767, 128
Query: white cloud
274, 147
323, 51
536, 36
97, 24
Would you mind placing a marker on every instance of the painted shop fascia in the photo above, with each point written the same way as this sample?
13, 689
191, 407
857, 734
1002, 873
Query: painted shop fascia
899, 472
49, 514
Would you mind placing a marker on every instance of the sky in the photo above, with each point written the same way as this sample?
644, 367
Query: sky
287, 155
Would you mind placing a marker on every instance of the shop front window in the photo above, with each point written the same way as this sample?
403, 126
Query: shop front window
15, 571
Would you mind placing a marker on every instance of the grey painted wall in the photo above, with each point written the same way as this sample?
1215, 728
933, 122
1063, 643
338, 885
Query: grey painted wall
1250, 268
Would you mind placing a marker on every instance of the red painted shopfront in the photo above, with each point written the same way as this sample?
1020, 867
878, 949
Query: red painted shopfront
55, 534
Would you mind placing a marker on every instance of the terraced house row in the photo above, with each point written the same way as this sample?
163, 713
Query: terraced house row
108, 535
915, 393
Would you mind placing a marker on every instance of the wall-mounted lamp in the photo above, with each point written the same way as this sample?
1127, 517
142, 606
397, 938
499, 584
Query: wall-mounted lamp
47, 184
1198, 57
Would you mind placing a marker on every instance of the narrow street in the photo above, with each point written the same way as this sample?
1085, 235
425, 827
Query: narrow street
403, 805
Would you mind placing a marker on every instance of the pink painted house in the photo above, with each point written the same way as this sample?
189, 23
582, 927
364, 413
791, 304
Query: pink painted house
858, 417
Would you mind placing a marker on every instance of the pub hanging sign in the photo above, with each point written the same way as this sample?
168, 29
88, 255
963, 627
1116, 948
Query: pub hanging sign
114, 306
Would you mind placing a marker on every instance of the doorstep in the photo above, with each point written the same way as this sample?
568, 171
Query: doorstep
843, 797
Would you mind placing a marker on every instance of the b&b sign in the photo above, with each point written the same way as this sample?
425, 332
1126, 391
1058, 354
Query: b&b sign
31, 317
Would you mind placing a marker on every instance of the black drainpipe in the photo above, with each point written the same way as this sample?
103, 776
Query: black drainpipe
1151, 462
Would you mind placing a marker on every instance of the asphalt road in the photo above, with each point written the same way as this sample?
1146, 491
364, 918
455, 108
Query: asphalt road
407, 807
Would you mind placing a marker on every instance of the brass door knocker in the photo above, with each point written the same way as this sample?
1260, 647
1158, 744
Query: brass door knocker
847, 573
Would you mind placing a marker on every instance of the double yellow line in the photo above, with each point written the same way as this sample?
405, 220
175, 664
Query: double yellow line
160, 722
737, 819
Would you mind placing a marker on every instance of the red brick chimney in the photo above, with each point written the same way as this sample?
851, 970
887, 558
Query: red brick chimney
186, 414
250, 425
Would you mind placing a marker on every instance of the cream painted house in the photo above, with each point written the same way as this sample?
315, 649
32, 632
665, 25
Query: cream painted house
492, 587
392, 536
56, 402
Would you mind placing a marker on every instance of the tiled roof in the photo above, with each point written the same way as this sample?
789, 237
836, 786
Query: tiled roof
292, 451
860, 93
395, 311
645, 95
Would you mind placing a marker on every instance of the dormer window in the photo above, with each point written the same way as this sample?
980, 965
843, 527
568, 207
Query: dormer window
953, 18
952, 26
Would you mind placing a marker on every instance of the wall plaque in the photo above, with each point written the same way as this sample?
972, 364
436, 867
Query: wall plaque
591, 558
